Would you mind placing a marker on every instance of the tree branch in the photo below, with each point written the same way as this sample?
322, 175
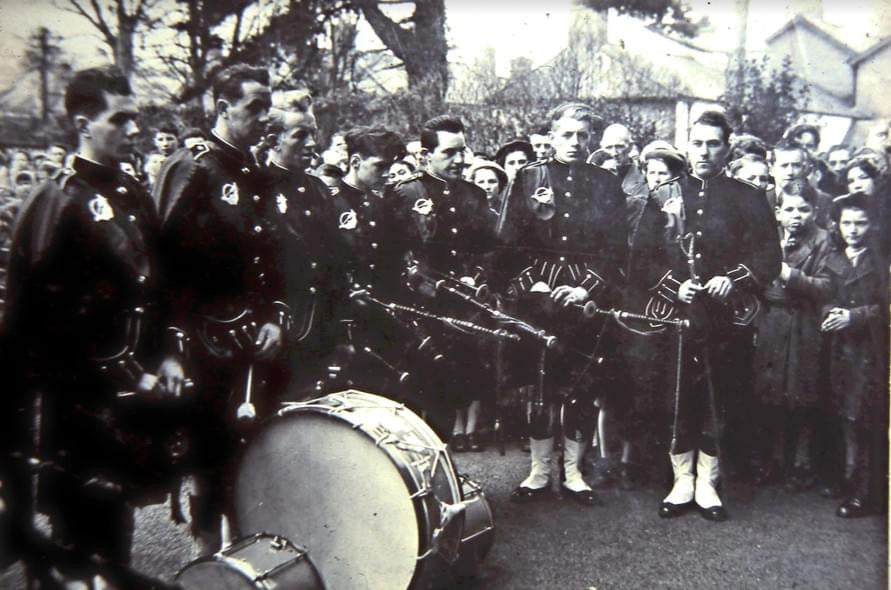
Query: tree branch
98, 22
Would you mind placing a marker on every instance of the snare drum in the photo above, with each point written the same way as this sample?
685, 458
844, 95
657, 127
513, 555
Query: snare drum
479, 528
260, 561
363, 482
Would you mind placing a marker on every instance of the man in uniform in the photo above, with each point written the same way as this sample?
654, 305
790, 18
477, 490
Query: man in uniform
725, 248
563, 242
84, 326
446, 225
221, 232
313, 283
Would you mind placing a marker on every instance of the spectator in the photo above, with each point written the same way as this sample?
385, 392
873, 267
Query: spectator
753, 169
492, 178
400, 170
514, 155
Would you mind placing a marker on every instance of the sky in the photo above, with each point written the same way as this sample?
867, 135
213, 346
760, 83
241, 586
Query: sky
529, 28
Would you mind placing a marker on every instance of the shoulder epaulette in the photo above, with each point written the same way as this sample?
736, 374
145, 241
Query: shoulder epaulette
63, 176
198, 149
747, 183
413, 176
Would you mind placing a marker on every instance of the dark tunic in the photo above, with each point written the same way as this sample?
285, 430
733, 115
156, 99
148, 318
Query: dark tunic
83, 259
221, 234
563, 225
314, 284
726, 229
446, 229
788, 337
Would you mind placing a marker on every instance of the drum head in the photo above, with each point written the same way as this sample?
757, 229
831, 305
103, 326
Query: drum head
313, 477
209, 573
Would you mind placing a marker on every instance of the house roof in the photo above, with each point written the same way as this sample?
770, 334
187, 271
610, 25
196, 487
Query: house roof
857, 59
821, 30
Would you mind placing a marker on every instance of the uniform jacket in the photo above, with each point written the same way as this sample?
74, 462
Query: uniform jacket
221, 233
84, 257
310, 252
788, 335
564, 225
858, 369
370, 253
726, 229
446, 226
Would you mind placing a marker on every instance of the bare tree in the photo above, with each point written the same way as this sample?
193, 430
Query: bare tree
418, 41
117, 22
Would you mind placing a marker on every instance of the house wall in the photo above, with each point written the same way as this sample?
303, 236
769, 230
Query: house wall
873, 83
816, 60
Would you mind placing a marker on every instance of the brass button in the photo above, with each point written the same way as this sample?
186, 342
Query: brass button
451, 209
566, 215
314, 265
699, 234
312, 290
301, 189
256, 198
131, 218
257, 229
374, 244
372, 223
371, 266
567, 194
562, 259
698, 256
701, 193
121, 190
307, 212
699, 212
563, 238
569, 179
245, 170
454, 230
256, 260
454, 253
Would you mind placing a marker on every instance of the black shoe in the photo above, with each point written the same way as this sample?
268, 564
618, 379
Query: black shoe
522, 494
669, 510
715, 513
458, 443
474, 445
604, 477
853, 507
584, 497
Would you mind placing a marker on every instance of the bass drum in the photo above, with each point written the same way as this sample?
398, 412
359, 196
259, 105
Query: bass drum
363, 482
260, 561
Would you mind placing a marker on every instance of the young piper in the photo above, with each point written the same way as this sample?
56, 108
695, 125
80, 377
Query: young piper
856, 322
788, 345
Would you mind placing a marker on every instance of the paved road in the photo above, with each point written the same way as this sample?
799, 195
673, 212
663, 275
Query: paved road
773, 540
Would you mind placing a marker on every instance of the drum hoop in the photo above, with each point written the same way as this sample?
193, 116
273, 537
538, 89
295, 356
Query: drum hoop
396, 450
244, 567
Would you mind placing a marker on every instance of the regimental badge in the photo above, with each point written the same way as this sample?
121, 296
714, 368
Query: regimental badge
543, 195
423, 207
348, 220
100, 208
230, 193
282, 203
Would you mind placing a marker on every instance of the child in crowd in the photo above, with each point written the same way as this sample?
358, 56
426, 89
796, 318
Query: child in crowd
856, 323
788, 341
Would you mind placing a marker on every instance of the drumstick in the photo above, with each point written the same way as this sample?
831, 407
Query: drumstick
246, 410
